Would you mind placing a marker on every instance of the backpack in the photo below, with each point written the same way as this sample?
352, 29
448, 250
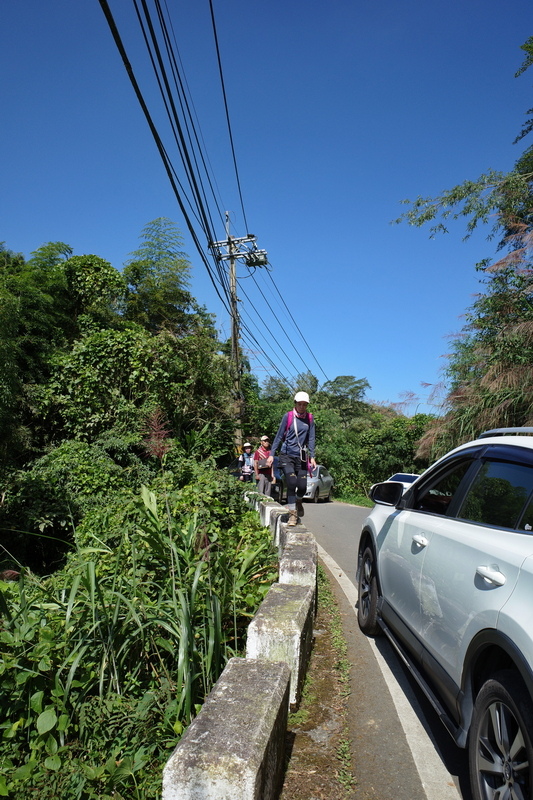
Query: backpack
290, 417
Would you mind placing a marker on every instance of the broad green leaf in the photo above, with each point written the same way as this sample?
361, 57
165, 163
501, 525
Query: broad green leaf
36, 702
53, 762
24, 771
46, 721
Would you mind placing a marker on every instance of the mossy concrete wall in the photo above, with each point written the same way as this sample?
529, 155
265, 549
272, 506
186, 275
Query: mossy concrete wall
234, 749
282, 630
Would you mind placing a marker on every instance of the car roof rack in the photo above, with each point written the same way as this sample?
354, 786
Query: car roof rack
504, 432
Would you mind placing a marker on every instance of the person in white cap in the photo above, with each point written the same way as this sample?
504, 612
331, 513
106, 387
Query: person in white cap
246, 463
263, 473
296, 440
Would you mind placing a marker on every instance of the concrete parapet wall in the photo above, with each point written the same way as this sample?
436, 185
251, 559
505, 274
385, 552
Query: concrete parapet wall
282, 630
298, 563
234, 749
293, 535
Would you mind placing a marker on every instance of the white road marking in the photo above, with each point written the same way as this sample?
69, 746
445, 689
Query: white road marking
436, 780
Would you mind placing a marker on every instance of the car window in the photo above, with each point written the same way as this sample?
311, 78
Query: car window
498, 494
437, 495
526, 522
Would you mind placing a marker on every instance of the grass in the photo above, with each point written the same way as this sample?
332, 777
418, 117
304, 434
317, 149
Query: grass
327, 684
355, 499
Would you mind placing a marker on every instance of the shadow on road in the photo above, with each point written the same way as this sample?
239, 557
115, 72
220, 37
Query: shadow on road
455, 759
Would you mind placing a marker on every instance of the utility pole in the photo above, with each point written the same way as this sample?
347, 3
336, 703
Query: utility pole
252, 257
235, 352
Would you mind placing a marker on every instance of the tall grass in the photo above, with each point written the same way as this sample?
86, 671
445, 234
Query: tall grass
106, 662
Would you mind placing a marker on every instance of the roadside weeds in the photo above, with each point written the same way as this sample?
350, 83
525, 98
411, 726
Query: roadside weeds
319, 747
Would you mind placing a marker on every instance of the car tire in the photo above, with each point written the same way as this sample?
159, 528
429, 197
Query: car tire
367, 606
500, 751
328, 497
316, 496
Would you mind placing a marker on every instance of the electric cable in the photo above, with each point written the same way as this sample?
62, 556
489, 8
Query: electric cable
282, 328
162, 152
184, 151
215, 35
258, 314
296, 326
190, 125
192, 157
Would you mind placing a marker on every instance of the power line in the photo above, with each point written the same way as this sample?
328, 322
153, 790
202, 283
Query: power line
297, 327
191, 153
162, 152
215, 35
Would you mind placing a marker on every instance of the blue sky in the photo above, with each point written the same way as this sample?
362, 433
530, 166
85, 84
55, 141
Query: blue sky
338, 110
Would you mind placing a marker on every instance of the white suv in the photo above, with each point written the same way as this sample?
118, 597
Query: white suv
446, 572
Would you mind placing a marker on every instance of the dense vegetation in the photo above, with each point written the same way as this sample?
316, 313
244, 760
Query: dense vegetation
129, 565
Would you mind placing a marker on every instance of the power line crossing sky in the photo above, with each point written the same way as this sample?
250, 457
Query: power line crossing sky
338, 111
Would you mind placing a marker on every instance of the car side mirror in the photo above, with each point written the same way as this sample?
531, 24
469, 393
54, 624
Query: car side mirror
388, 493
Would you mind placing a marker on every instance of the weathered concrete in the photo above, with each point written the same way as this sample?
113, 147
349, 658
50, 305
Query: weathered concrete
298, 563
278, 518
282, 630
234, 749
266, 509
293, 534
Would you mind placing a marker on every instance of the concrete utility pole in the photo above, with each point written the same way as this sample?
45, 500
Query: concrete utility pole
252, 258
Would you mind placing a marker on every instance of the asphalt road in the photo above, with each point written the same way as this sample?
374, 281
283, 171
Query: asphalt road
402, 751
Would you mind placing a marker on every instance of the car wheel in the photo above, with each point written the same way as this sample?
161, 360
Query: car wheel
316, 496
367, 607
500, 752
328, 497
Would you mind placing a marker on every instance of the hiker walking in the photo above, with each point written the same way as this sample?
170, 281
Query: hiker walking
246, 463
296, 435
263, 472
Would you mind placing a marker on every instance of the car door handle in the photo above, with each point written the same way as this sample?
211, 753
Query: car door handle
492, 575
420, 540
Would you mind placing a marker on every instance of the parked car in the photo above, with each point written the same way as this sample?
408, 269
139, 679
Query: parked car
445, 570
319, 485
405, 478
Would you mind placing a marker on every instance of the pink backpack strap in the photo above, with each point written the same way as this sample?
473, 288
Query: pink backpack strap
290, 417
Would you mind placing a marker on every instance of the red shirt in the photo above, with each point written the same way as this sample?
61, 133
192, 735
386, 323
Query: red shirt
260, 454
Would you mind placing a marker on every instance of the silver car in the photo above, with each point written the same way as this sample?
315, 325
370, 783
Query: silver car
319, 485
445, 570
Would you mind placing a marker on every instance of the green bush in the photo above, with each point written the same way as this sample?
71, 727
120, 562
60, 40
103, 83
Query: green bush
45, 503
105, 662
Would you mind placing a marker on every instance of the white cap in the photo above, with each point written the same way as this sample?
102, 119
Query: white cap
247, 444
301, 397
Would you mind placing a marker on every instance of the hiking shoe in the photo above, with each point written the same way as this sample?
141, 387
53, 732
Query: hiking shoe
300, 508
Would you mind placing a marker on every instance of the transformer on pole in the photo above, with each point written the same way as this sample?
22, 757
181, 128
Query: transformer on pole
235, 249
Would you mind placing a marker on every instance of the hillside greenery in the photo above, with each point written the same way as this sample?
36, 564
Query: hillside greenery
129, 563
